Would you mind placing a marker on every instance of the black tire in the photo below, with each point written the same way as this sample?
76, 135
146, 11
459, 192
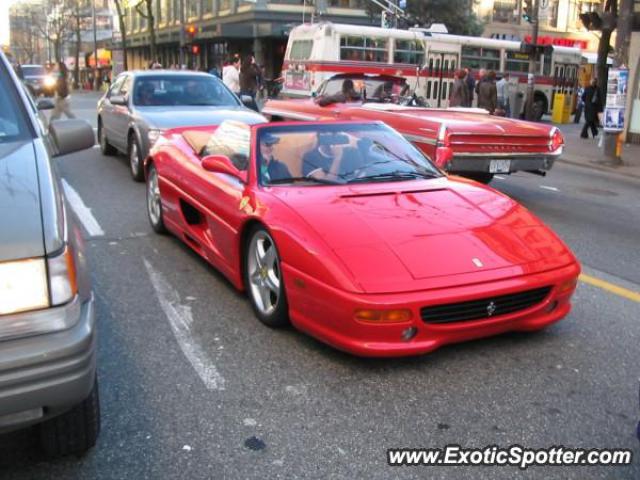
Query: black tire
279, 317
482, 177
135, 164
75, 431
154, 201
105, 147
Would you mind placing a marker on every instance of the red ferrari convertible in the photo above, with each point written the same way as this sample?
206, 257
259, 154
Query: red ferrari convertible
350, 233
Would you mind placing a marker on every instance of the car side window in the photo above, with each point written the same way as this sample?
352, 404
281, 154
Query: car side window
115, 88
231, 139
126, 86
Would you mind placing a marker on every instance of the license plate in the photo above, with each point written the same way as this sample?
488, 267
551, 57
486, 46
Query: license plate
499, 166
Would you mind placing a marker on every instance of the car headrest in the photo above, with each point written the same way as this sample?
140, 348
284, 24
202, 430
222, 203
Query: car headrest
197, 139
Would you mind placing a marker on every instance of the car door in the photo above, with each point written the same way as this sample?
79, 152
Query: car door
107, 109
212, 203
122, 115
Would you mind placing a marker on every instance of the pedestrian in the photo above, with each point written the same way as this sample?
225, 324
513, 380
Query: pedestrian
231, 74
592, 107
579, 105
459, 96
249, 79
62, 94
502, 89
487, 92
471, 85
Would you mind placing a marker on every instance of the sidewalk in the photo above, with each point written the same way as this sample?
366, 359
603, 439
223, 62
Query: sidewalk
586, 153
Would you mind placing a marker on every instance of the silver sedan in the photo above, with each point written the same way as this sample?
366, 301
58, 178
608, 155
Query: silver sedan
140, 105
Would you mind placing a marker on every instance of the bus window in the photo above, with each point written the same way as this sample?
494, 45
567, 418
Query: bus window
430, 66
479, 57
517, 62
444, 91
435, 90
370, 49
429, 89
453, 65
437, 66
446, 66
408, 51
300, 50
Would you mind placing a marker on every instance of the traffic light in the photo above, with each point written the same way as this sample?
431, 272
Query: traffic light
192, 30
195, 49
591, 20
527, 10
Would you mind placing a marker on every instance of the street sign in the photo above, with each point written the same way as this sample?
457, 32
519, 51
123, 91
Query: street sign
614, 111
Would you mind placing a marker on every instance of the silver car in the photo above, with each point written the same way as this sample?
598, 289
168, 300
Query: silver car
140, 105
47, 322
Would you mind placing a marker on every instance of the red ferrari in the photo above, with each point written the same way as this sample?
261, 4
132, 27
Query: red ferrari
350, 233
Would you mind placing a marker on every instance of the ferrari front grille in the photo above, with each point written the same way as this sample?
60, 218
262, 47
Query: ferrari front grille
484, 308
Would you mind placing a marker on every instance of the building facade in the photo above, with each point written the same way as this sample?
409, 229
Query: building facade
559, 21
224, 27
27, 41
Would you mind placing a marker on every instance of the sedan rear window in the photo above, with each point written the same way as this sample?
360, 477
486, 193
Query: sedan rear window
34, 71
13, 124
187, 90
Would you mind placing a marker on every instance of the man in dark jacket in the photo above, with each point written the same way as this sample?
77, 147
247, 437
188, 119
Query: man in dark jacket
471, 86
459, 96
249, 75
592, 107
487, 92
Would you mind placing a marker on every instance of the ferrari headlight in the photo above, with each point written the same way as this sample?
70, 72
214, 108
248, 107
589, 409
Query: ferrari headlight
23, 286
62, 277
49, 81
153, 135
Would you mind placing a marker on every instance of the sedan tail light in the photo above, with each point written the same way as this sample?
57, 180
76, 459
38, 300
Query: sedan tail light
444, 152
557, 140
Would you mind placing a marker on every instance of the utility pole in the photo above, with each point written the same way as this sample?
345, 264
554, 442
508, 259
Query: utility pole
183, 40
95, 45
533, 61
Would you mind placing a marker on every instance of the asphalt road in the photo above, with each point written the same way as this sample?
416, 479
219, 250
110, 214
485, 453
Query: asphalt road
277, 404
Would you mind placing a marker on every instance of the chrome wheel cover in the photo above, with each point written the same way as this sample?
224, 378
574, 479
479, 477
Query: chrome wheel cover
154, 206
263, 268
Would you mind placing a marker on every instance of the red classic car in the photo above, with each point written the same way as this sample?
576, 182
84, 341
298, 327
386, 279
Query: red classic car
463, 141
350, 233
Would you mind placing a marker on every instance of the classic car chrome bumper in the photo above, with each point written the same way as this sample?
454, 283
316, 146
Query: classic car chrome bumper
471, 163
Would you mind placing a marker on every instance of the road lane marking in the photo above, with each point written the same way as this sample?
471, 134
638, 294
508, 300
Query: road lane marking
610, 287
181, 321
553, 189
498, 177
83, 212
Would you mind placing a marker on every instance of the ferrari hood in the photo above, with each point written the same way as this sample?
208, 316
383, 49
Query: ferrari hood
435, 236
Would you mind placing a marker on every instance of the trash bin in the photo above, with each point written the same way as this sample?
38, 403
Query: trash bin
561, 108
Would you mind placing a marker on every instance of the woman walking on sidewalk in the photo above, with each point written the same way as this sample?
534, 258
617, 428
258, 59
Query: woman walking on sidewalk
592, 107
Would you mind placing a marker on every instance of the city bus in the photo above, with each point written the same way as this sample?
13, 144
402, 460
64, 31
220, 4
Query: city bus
427, 59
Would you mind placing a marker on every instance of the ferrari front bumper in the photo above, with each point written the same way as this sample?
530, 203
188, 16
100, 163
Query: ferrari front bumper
328, 313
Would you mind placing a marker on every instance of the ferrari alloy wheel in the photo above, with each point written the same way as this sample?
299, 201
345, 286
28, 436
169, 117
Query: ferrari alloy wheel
263, 279
154, 201
135, 162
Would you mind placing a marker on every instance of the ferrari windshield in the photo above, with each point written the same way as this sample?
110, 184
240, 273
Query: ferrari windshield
338, 154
